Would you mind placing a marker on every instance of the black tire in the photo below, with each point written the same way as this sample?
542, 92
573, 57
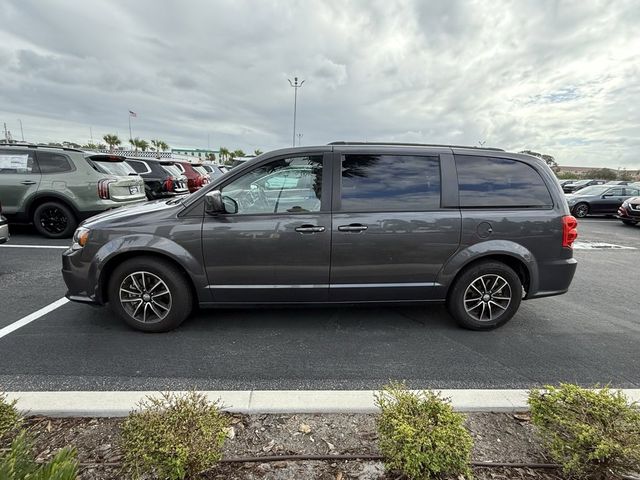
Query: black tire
177, 304
581, 210
629, 222
54, 220
464, 292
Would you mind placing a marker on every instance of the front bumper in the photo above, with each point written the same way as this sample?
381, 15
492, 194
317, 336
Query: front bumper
628, 214
76, 274
4, 230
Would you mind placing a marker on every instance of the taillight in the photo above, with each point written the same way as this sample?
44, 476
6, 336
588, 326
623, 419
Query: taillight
103, 188
569, 231
168, 184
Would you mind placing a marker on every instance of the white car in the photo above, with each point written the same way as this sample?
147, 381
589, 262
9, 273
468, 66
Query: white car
4, 228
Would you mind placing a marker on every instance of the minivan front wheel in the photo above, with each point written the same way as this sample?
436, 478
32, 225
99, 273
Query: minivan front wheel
485, 296
54, 220
150, 294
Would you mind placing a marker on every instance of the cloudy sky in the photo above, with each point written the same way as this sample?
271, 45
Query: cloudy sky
560, 77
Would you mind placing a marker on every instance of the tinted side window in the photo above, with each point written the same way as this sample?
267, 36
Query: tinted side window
631, 191
50, 162
499, 182
387, 183
16, 161
616, 192
139, 167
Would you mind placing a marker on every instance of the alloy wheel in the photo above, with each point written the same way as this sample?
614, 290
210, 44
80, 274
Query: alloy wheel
145, 297
53, 220
581, 210
487, 297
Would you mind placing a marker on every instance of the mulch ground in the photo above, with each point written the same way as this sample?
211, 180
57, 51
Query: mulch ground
499, 437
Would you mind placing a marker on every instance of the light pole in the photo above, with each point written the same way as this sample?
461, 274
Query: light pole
21, 130
295, 86
481, 143
300, 135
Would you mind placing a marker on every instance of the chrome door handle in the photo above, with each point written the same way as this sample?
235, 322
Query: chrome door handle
28, 182
309, 229
354, 227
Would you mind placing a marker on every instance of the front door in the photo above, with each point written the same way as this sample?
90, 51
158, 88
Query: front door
609, 201
19, 179
390, 234
274, 244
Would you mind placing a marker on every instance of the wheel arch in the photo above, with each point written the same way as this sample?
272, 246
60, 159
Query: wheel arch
40, 198
114, 261
514, 255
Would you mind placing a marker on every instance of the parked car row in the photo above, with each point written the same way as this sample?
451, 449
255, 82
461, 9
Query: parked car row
55, 188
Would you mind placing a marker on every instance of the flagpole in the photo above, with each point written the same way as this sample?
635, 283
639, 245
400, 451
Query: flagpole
130, 134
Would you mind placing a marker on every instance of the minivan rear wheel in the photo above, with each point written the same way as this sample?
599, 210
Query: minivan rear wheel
54, 220
150, 294
485, 296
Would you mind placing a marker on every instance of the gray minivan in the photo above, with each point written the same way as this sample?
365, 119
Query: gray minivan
345, 223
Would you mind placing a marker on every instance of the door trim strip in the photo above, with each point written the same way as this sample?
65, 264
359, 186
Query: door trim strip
326, 285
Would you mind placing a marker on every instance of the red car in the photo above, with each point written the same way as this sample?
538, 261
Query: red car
629, 211
197, 175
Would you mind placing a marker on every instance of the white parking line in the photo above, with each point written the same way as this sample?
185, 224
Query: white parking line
31, 317
32, 246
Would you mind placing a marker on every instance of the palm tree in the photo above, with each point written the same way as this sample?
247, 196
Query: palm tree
157, 144
257, 152
111, 140
224, 153
238, 153
164, 146
143, 144
134, 143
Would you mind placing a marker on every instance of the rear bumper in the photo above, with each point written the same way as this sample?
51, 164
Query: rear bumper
554, 278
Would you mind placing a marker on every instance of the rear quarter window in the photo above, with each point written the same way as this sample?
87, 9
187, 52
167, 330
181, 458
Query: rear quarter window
492, 182
50, 162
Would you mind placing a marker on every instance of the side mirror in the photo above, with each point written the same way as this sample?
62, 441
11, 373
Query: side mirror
213, 202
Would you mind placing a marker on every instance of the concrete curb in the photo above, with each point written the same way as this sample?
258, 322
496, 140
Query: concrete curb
119, 404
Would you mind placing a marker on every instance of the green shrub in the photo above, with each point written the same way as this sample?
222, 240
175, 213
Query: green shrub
10, 418
18, 463
173, 436
420, 434
591, 433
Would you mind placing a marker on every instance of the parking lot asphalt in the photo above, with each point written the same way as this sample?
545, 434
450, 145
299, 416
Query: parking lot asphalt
588, 336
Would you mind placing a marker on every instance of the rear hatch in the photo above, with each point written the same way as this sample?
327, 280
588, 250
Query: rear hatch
179, 180
122, 183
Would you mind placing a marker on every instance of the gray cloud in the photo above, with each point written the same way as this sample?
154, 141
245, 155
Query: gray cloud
562, 77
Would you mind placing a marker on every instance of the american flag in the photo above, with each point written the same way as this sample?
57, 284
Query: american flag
133, 114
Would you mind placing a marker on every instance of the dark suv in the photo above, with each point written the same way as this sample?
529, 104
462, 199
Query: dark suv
347, 223
162, 178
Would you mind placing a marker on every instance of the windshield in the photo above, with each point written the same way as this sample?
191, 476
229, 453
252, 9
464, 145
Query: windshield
120, 169
171, 169
593, 190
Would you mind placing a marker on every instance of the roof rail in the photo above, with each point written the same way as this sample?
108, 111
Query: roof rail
35, 145
402, 144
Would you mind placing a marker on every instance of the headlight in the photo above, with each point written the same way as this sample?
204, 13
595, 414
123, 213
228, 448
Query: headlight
80, 238
625, 204
571, 201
